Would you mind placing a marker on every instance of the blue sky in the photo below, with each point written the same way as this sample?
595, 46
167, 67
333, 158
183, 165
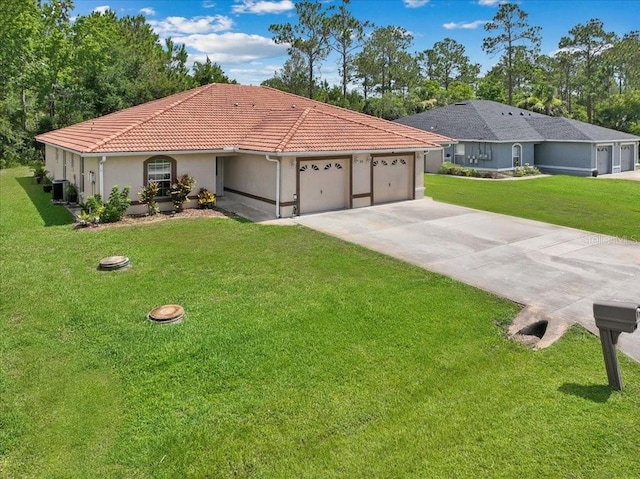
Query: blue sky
234, 33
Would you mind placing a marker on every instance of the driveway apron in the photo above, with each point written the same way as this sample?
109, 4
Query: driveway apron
557, 272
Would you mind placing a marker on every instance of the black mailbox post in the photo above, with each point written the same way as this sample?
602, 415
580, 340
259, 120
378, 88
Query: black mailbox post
613, 318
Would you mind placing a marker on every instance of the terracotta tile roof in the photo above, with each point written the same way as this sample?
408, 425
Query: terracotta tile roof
219, 116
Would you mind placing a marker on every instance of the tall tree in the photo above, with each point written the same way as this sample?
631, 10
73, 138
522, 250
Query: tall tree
389, 65
446, 62
54, 54
292, 77
207, 72
586, 43
624, 58
510, 23
347, 33
310, 36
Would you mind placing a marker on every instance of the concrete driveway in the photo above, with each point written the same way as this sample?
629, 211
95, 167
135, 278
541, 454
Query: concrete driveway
557, 272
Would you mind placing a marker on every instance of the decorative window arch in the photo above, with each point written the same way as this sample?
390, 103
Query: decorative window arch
516, 155
162, 170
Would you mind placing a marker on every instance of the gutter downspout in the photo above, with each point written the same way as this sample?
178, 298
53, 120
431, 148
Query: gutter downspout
101, 173
277, 162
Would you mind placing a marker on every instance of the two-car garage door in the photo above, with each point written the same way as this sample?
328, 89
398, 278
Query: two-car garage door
324, 184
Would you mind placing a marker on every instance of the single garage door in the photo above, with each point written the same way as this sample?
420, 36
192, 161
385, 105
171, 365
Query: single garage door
603, 160
392, 179
626, 158
323, 185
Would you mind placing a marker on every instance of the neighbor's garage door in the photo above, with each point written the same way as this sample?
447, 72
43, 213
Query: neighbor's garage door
392, 179
323, 185
603, 160
626, 158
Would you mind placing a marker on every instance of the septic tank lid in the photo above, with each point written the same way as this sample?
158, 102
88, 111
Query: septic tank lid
168, 313
113, 262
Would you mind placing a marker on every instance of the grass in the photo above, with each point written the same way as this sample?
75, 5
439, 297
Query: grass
610, 207
299, 356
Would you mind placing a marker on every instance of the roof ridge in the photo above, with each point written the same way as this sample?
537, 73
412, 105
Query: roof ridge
293, 129
150, 117
379, 127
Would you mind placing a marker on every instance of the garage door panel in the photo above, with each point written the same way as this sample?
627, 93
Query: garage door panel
392, 179
324, 185
626, 158
603, 157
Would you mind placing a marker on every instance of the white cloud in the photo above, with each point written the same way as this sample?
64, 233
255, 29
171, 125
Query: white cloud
102, 9
261, 7
208, 4
172, 26
232, 48
489, 3
464, 26
415, 3
149, 12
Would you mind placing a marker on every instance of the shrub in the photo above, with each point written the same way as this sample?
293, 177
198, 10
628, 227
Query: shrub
180, 190
92, 209
206, 199
39, 171
456, 170
148, 197
116, 206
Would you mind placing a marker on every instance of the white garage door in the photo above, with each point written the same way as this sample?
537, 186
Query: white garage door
626, 157
324, 185
392, 179
603, 159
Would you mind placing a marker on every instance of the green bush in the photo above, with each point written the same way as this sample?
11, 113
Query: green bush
456, 170
116, 206
92, 209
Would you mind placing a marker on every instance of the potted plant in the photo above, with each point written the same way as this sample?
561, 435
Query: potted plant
206, 199
39, 172
47, 184
72, 193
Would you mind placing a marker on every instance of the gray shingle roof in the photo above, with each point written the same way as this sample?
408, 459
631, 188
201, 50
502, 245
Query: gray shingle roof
485, 120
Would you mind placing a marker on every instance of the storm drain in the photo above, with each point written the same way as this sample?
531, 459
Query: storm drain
532, 333
112, 263
166, 314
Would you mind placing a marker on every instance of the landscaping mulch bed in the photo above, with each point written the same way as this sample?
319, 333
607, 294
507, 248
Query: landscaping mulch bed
131, 220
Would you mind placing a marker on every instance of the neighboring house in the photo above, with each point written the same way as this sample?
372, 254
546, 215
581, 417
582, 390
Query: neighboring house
268, 149
494, 136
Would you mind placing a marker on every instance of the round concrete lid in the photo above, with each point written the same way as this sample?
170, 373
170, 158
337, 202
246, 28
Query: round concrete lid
168, 313
114, 262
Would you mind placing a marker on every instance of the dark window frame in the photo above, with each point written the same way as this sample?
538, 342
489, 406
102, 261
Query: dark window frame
146, 163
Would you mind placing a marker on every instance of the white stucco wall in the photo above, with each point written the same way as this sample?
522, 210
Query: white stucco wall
419, 179
361, 177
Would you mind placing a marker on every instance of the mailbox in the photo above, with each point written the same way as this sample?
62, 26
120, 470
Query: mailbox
617, 316
613, 318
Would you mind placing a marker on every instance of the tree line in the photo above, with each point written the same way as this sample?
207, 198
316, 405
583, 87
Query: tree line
57, 71
594, 77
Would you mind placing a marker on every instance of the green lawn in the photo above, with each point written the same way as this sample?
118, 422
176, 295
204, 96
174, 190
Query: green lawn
299, 356
609, 207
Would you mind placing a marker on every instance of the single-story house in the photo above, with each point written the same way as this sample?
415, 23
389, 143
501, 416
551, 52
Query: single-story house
265, 148
498, 137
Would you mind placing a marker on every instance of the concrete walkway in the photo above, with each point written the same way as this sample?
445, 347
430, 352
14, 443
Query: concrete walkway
557, 272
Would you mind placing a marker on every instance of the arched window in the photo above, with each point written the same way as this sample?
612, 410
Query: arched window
516, 153
162, 170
